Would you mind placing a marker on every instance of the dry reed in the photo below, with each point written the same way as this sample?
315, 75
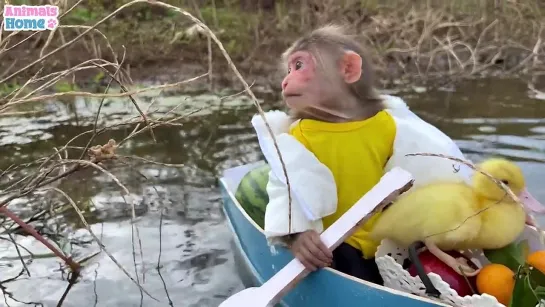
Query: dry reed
60, 164
48, 172
427, 40
416, 41
413, 41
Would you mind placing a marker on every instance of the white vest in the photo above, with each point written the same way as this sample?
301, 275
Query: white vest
313, 188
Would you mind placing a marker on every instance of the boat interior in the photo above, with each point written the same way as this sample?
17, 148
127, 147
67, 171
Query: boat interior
231, 180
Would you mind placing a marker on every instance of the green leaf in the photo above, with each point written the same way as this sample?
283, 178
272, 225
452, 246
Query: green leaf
512, 255
518, 290
524, 250
523, 294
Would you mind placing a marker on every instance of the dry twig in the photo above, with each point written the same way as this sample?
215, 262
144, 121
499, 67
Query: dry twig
59, 165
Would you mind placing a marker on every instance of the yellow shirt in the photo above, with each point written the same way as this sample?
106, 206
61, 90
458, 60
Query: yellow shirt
356, 153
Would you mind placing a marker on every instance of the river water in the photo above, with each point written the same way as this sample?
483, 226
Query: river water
178, 209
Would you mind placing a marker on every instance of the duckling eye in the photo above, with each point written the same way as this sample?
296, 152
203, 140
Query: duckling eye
506, 182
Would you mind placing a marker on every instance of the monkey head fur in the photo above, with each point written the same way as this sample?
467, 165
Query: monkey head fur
329, 77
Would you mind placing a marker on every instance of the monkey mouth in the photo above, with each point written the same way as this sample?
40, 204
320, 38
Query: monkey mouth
288, 95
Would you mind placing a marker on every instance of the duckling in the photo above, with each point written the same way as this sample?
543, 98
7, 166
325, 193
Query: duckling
452, 216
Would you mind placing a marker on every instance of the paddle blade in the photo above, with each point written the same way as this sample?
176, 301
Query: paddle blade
250, 297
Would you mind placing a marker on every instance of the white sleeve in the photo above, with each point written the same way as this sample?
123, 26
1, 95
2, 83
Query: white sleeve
313, 190
313, 187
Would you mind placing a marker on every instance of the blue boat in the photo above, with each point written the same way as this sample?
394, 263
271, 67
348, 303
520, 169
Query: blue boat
256, 263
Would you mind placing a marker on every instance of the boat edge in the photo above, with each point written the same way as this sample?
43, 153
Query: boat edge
224, 183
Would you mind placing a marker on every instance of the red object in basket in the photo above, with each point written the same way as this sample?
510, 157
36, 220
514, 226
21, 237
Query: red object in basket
456, 281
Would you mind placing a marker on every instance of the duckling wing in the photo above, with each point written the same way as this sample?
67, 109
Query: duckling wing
502, 223
444, 213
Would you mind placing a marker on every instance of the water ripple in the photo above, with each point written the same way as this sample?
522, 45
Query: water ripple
486, 118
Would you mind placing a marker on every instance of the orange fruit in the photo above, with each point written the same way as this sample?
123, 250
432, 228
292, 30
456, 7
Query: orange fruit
496, 280
537, 260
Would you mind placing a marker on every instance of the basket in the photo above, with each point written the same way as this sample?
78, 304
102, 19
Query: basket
390, 258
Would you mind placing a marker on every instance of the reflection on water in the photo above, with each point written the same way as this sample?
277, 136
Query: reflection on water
491, 118
195, 257
488, 117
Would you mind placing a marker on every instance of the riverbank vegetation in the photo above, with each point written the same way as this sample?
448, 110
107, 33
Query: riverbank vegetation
413, 41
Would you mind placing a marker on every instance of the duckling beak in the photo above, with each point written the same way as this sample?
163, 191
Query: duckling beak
530, 203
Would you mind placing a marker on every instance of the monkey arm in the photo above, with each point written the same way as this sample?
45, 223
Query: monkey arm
277, 213
312, 185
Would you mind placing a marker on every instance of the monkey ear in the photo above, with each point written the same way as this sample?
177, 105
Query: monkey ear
351, 66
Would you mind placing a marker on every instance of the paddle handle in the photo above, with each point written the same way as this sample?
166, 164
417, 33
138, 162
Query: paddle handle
390, 186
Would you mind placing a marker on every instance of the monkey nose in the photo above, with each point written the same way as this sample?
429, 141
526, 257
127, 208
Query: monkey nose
284, 84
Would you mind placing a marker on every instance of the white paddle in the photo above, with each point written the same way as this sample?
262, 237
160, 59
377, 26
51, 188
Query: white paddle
391, 185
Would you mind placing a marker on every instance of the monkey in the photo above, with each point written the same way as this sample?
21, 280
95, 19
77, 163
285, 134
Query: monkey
321, 51
339, 116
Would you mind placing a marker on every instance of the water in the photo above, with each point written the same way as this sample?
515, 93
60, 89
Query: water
488, 117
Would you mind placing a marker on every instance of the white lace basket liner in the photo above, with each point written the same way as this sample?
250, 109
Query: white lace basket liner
390, 257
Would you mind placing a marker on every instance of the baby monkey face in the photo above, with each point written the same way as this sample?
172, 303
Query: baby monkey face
320, 85
300, 87
328, 77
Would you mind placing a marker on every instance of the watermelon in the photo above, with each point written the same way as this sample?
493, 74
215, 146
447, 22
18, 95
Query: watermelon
252, 193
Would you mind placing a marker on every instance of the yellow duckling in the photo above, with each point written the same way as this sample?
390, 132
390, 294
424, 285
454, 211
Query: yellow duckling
453, 216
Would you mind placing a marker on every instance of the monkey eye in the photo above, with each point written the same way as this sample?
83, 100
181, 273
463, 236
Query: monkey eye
298, 65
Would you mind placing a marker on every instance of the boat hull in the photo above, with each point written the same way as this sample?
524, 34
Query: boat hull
256, 263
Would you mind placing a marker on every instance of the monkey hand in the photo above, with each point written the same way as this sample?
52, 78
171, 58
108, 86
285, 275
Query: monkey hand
309, 249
